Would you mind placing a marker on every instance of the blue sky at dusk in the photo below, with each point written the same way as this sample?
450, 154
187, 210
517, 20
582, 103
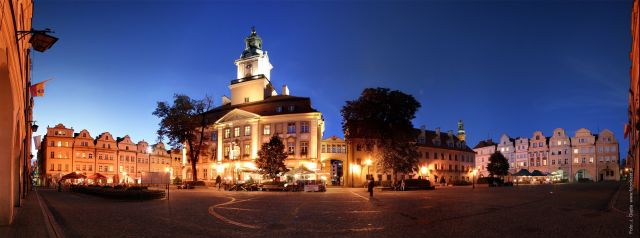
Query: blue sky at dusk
503, 67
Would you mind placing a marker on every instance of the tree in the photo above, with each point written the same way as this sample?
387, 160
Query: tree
183, 123
498, 165
271, 158
382, 117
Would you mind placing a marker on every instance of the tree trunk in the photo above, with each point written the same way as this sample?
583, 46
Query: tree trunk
194, 171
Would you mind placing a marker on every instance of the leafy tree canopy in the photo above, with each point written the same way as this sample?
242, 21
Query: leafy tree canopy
382, 117
498, 165
183, 124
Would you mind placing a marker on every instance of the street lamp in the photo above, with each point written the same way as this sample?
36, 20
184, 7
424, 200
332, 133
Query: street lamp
40, 40
473, 182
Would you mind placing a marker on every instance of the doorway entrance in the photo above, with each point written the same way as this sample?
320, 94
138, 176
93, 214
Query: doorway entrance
336, 172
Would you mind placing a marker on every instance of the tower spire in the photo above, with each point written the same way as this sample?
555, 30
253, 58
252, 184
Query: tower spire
461, 133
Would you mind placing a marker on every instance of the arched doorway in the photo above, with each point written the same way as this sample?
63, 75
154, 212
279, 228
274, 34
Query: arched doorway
583, 175
336, 171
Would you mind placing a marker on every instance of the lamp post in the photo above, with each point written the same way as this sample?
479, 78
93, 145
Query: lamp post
473, 182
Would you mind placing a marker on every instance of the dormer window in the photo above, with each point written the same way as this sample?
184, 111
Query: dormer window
279, 109
292, 108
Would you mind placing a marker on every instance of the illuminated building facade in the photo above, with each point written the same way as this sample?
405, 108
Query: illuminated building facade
118, 159
584, 156
333, 158
484, 149
255, 112
507, 148
444, 158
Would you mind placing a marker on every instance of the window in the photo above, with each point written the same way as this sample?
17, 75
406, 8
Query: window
304, 127
292, 148
90, 156
575, 151
109, 146
66, 167
59, 143
303, 147
53, 154
246, 99
591, 160
291, 127
358, 147
227, 133
279, 109
226, 151
247, 130
344, 149
236, 131
333, 149
214, 136
292, 108
66, 144
247, 149
266, 130
324, 148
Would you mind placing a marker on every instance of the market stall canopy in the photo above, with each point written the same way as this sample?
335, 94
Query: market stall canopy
300, 170
97, 176
523, 172
72, 175
537, 173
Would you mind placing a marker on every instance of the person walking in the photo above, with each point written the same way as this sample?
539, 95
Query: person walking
370, 187
218, 182
402, 185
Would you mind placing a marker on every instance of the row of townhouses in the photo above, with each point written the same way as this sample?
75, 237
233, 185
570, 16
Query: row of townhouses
119, 159
583, 156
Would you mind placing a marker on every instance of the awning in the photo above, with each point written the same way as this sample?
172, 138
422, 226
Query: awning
72, 175
300, 170
523, 172
537, 173
97, 176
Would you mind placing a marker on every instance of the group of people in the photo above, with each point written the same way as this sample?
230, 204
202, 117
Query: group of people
398, 186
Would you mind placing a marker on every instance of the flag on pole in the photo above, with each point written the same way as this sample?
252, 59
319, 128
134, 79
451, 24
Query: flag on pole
37, 90
36, 141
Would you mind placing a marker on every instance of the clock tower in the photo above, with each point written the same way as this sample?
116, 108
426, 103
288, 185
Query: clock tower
253, 73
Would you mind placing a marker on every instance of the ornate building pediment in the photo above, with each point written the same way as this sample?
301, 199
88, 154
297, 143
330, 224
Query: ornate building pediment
237, 114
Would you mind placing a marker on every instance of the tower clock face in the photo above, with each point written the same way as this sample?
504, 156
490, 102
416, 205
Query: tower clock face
247, 70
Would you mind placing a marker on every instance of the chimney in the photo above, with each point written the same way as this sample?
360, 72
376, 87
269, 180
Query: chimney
423, 129
285, 90
225, 100
450, 133
438, 131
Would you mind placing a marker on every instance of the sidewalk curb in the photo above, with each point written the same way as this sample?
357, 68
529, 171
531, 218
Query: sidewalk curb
52, 226
614, 198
